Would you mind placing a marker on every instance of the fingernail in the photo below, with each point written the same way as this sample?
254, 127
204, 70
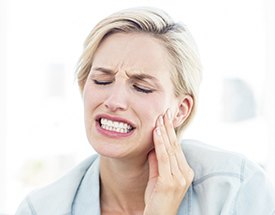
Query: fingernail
158, 131
161, 120
169, 114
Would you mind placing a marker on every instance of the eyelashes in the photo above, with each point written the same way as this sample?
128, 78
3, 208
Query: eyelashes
142, 89
136, 87
102, 82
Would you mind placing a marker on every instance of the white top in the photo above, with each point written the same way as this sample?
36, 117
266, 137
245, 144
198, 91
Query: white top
224, 183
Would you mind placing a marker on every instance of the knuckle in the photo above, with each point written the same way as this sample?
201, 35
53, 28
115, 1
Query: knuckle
171, 151
190, 176
183, 183
186, 179
172, 187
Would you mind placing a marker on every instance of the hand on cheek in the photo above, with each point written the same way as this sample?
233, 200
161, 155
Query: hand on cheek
170, 175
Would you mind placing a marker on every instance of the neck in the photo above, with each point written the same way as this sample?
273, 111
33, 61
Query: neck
123, 184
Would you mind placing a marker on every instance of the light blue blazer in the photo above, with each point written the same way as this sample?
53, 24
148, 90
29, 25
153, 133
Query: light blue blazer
225, 183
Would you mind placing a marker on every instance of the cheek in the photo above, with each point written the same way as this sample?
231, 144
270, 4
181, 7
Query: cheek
149, 109
91, 98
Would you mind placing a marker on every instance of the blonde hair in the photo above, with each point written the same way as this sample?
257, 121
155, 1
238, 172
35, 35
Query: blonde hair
181, 48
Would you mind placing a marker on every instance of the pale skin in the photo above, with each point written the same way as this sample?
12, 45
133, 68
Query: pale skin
143, 171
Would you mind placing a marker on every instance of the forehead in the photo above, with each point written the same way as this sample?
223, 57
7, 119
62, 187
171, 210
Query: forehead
133, 52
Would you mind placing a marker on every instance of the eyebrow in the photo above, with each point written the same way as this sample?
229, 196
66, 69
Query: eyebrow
104, 70
141, 77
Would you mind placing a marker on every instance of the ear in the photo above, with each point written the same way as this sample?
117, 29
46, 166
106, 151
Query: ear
185, 105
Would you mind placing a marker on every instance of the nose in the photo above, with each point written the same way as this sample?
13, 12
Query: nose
117, 98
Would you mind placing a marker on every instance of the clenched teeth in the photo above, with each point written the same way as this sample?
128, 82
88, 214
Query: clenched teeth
119, 127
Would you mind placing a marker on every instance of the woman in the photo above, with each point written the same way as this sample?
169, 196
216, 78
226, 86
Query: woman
139, 77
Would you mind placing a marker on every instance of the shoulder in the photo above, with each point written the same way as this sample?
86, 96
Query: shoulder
229, 179
208, 161
57, 197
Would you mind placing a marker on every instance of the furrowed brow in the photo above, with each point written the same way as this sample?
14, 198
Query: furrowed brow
104, 70
142, 76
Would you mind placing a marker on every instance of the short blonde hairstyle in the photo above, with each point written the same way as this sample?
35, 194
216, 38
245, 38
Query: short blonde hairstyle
175, 37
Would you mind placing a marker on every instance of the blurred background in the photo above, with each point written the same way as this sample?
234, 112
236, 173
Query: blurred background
41, 124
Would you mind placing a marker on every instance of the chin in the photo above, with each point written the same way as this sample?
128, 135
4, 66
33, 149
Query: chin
110, 150
119, 151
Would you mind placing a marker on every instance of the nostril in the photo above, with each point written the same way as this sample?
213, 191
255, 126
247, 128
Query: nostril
116, 102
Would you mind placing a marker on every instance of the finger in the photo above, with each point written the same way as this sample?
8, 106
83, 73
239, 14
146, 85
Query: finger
165, 136
161, 154
170, 129
174, 144
169, 147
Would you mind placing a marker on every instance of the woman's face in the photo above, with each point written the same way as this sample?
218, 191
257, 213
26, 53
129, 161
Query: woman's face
128, 87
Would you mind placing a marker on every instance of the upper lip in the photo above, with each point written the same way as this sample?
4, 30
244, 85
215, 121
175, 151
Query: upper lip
115, 118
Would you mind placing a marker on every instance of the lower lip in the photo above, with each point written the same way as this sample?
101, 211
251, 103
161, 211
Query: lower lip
112, 134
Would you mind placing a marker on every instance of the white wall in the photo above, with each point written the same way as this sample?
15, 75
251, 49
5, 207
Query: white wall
270, 81
3, 23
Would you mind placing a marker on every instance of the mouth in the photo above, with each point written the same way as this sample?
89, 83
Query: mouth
115, 126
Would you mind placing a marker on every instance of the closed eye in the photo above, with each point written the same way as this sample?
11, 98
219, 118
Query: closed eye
142, 89
102, 82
